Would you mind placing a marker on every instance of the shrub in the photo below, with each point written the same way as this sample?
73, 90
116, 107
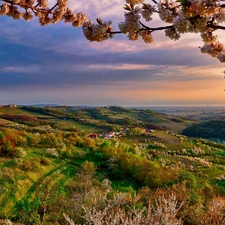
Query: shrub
30, 165
18, 152
52, 152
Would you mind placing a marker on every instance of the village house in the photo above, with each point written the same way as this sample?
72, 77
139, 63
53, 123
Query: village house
110, 134
100, 135
12, 105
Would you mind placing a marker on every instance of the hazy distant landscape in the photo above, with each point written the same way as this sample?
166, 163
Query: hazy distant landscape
188, 110
172, 110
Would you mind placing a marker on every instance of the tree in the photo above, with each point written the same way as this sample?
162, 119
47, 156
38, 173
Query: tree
85, 190
8, 147
182, 16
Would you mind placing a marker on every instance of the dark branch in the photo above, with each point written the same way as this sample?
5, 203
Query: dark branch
145, 28
32, 7
37, 4
114, 32
153, 29
53, 7
215, 27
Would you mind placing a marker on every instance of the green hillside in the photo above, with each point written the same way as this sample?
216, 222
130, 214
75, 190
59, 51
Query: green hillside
52, 172
209, 129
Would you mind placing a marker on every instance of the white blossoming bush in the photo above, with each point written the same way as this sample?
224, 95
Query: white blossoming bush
219, 178
200, 161
52, 152
178, 17
215, 211
118, 210
197, 151
171, 164
19, 152
157, 145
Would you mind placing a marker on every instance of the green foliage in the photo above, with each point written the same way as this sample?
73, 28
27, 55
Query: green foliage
106, 144
48, 140
21, 141
192, 180
208, 129
8, 147
31, 164
100, 155
33, 140
26, 211
2, 136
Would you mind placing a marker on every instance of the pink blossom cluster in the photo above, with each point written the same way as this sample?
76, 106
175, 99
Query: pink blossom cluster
28, 9
97, 32
184, 16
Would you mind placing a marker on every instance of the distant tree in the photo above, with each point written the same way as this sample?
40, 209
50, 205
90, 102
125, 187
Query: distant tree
33, 140
8, 147
73, 138
137, 131
21, 141
178, 17
2, 137
89, 143
49, 140
2, 141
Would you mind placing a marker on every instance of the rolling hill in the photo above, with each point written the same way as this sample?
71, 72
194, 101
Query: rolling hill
51, 171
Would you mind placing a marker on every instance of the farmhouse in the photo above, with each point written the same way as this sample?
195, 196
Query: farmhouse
100, 135
110, 134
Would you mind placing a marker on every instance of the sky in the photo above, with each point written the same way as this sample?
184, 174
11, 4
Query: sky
55, 64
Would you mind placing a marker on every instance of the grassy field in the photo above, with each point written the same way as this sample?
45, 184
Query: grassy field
17, 111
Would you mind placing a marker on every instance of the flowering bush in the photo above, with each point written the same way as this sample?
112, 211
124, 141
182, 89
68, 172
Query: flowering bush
52, 152
201, 162
119, 210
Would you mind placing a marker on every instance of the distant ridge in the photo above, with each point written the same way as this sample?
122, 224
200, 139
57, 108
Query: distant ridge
58, 105
42, 105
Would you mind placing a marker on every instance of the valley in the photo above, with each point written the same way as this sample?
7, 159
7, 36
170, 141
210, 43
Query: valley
64, 163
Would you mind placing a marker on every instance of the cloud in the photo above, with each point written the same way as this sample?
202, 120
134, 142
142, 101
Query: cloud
123, 67
101, 8
20, 69
65, 74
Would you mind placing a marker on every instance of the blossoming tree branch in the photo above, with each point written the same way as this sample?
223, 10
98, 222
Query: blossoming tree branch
179, 16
